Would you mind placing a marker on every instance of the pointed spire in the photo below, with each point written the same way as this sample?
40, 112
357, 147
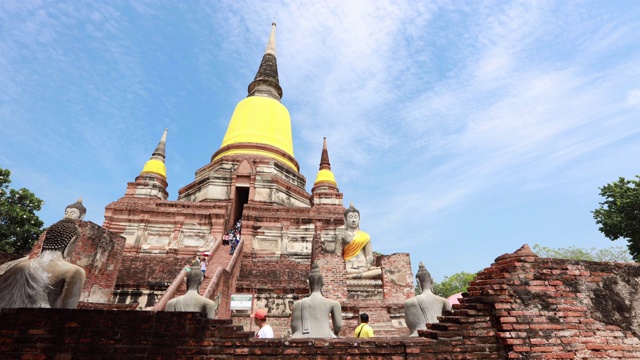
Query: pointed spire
324, 174
156, 165
158, 153
271, 45
266, 82
324, 158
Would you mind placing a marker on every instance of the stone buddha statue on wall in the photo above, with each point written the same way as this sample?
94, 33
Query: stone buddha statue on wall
191, 300
47, 281
426, 307
309, 316
355, 247
75, 211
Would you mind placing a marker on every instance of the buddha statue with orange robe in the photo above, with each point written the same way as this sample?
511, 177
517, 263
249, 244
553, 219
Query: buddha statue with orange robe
355, 247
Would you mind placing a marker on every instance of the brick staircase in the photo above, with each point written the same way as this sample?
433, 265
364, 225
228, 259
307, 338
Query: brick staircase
217, 260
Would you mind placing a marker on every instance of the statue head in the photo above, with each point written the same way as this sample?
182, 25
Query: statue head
194, 278
352, 217
75, 211
59, 235
424, 278
315, 278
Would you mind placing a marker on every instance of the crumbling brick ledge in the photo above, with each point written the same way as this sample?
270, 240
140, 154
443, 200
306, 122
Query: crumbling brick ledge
522, 307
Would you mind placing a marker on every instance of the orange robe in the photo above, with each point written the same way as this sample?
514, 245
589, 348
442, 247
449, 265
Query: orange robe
360, 240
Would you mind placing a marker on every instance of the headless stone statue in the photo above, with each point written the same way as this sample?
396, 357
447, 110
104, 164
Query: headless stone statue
355, 247
426, 307
192, 301
47, 281
309, 315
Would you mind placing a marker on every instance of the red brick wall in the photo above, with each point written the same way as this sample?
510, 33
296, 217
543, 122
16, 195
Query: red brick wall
397, 279
527, 307
142, 269
277, 275
522, 307
91, 334
332, 267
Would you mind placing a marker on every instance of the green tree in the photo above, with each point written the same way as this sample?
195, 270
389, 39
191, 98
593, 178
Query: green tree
619, 215
612, 254
456, 283
20, 227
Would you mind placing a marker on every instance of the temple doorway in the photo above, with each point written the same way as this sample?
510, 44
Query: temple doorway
241, 198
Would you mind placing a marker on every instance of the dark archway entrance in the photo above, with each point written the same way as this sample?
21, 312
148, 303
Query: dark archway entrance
241, 198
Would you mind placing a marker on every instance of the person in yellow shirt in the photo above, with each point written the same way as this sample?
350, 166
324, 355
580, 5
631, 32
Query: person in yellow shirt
364, 330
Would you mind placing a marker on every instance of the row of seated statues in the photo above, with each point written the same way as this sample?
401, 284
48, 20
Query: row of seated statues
49, 281
309, 316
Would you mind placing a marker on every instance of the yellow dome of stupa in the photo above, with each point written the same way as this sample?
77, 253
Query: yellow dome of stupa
325, 176
260, 124
156, 167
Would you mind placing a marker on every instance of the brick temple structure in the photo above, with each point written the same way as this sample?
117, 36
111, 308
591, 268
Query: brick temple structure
521, 307
253, 177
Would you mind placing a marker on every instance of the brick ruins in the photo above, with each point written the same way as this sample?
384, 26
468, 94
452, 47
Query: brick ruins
521, 307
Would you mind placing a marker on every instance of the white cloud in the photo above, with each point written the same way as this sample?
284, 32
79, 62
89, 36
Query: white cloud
427, 106
633, 98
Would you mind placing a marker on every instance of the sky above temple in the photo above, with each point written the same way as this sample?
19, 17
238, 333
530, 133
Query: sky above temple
461, 130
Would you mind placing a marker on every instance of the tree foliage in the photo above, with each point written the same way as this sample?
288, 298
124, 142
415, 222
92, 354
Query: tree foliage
612, 254
456, 283
619, 215
20, 227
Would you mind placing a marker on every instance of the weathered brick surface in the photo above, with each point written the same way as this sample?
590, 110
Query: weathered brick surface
397, 278
522, 307
145, 269
526, 307
78, 334
281, 275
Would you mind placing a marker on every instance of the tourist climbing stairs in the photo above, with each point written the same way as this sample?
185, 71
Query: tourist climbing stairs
220, 261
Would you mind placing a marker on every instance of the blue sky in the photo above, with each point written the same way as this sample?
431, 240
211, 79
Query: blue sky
461, 130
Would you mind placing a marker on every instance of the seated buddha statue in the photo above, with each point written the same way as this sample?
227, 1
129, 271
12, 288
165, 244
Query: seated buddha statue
47, 281
75, 211
355, 247
309, 316
425, 308
191, 300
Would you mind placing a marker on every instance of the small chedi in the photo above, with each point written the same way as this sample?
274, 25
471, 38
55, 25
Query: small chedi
309, 315
355, 247
425, 308
192, 300
47, 281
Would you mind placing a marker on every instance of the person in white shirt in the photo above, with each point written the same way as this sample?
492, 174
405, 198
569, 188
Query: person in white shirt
260, 319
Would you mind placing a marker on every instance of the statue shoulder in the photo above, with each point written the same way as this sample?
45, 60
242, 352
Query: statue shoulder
335, 303
76, 271
170, 304
411, 302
